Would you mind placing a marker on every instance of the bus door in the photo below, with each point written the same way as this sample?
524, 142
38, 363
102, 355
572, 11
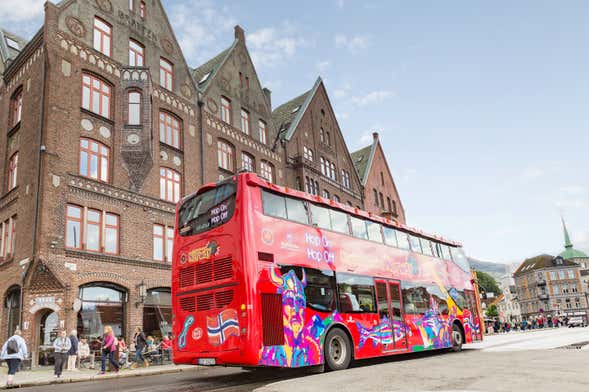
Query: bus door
392, 334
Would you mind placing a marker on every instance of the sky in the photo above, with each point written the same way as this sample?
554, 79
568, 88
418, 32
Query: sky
481, 106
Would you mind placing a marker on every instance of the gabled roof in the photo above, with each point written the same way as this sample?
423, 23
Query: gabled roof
541, 262
363, 160
287, 116
210, 68
8, 41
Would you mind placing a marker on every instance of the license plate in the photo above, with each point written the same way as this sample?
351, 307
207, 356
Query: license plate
206, 361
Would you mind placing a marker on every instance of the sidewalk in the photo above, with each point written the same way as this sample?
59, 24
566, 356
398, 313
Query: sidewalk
44, 376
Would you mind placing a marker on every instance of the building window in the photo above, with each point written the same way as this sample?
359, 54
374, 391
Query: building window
308, 153
322, 164
142, 9
131, 5
169, 130
332, 171
166, 74
561, 274
267, 171
336, 198
94, 160
322, 135
134, 114
163, 242
226, 110
327, 138
8, 237
16, 107
325, 194
381, 200
225, 156
169, 185
571, 274
247, 162
262, 131
93, 230
111, 234
95, 95
102, 37
381, 179
346, 179
311, 186
136, 54
73, 231
375, 193
245, 122
12, 171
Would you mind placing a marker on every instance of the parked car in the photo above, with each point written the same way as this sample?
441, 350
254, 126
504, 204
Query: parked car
576, 322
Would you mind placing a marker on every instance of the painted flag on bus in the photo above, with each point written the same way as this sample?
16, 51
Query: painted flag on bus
222, 326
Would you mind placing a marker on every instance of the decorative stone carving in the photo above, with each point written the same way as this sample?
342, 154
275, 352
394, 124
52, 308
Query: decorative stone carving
75, 26
224, 84
167, 46
192, 130
186, 91
177, 161
66, 68
133, 139
212, 105
104, 132
104, 5
164, 155
209, 139
87, 124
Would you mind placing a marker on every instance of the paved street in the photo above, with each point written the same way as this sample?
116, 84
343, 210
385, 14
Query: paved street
517, 361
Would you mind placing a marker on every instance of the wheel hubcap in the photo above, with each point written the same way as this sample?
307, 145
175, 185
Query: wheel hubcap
457, 338
337, 350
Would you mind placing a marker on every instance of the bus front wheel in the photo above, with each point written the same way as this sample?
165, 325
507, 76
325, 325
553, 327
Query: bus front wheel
456, 338
337, 350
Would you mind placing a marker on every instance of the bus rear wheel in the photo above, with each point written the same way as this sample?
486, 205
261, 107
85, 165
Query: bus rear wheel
456, 338
337, 350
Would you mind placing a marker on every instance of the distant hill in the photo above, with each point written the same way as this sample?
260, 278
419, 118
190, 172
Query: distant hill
497, 270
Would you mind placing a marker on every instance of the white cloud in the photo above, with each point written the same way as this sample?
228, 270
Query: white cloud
352, 43
531, 173
342, 115
340, 4
270, 46
574, 190
22, 16
372, 97
322, 65
343, 91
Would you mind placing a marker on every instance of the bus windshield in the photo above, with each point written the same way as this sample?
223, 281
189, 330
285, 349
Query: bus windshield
207, 210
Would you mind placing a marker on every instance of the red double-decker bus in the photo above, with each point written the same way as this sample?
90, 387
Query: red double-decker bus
264, 275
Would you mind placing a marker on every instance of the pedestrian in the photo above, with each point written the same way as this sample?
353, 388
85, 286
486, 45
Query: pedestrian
73, 353
524, 324
166, 347
84, 353
122, 349
109, 347
140, 343
13, 352
61, 348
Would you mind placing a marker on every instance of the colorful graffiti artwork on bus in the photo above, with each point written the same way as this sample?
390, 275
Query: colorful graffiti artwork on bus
186, 326
386, 332
302, 341
435, 330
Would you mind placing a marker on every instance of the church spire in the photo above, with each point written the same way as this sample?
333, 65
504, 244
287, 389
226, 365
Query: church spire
567, 240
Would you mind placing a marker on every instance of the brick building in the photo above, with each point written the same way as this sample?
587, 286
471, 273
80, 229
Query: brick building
100, 140
237, 128
380, 192
317, 159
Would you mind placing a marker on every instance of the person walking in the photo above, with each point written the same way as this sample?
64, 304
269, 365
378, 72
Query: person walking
109, 347
140, 343
13, 352
61, 348
73, 353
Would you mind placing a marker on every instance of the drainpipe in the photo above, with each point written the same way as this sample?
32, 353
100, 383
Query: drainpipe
200, 104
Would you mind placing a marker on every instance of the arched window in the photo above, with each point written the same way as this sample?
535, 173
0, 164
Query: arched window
12, 171
267, 171
12, 305
96, 94
248, 162
169, 129
225, 156
102, 304
134, 116
16, 107
94, 160
157, 312
169, 185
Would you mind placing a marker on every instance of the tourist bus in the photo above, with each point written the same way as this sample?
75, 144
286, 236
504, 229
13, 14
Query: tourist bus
265, 275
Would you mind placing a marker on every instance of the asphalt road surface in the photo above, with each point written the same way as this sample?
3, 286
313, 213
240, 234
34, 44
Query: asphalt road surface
532, 361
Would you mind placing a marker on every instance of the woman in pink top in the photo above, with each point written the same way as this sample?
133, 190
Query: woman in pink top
109, 347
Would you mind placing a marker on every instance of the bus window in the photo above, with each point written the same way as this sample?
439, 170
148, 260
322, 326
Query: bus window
390, 236
458, 297
339, 222
437, 249
426, 247
374, 233
296, 210
460, 259
359, 228
415, 244
403, 239
274, 205
356, 294
320, 217
446, 252
207, 210
415, 298
320, 290
439, 297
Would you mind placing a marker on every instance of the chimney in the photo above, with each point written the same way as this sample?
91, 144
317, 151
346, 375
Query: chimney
375, 136
239, 34
268, 95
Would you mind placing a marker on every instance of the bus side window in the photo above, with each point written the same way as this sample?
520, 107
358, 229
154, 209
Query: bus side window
273, 205
320, 290
390, 236
359, 228
339, 222
415, 299
374, 233
403, 240
320, 217
355, 294
296, 211
446, 252
426, 247
439, 297
415, 244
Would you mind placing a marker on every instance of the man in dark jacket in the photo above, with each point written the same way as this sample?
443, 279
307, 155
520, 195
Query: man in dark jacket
73, 352
140, 343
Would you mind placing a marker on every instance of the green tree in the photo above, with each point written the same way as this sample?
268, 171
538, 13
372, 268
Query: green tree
488, 283
492, 311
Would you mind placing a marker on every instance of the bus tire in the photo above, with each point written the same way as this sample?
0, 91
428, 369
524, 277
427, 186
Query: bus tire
337, 350
457, 338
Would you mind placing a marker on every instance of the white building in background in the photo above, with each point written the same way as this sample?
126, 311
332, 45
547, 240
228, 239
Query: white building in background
508, 306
